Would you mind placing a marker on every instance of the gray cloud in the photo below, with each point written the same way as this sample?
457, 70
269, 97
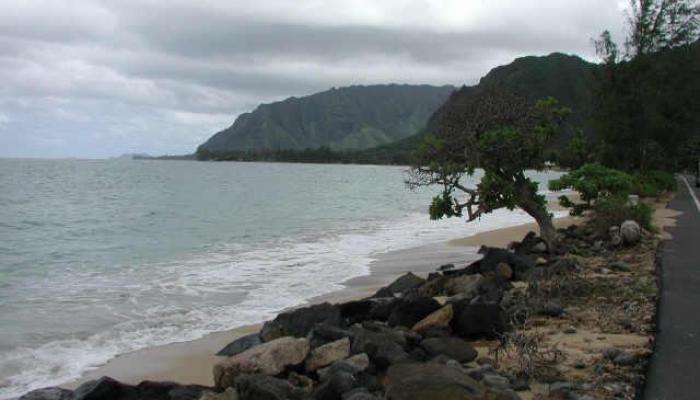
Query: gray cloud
97, 78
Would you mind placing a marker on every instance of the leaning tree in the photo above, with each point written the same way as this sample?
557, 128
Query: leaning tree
504, 134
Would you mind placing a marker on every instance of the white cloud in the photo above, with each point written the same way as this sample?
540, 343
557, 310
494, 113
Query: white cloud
160, 76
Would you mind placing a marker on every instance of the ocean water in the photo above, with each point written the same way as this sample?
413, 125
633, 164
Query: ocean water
99, 258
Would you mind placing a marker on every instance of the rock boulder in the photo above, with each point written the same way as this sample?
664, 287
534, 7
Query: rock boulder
228, 394
383, 348
519, 264
51, 393
452, 347
327, 354
408, 311
299, 322
269, 358
323, 333
431, 382
439, 318
480, 320
466, 285
104, 388
240, 345
354, 364
261, 387
631, 233
406, 282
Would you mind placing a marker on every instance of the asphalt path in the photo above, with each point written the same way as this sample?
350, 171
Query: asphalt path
674, 372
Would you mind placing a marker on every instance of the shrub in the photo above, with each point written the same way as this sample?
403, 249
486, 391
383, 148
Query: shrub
615, 210
596, 183
654, 183
593, 182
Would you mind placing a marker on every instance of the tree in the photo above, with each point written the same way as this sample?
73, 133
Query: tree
606, 49
656, 25
502, 133
646, 103
653, 26
577, 151
690, 157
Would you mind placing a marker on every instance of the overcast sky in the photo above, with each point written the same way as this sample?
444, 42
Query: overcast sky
102, 78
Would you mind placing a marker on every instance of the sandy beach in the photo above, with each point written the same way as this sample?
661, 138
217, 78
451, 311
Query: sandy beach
502, 237
192, 362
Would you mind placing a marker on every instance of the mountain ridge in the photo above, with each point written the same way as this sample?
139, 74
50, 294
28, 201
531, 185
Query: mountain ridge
347, 118
568, 78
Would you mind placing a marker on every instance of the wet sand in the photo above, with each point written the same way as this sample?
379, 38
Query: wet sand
502, 237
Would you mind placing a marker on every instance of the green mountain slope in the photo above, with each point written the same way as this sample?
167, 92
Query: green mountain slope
355, 117
569, 79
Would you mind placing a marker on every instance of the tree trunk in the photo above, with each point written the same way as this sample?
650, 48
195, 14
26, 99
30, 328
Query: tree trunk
544, 221
528, 203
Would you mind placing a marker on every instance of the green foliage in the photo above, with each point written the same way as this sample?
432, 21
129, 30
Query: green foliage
442, 207
503, 152
654, 183
321, 154
614, 210
646, 106
593, 182
569, 79
577, 152
599, 185
501, 132
690, 154
656, 25
497, 192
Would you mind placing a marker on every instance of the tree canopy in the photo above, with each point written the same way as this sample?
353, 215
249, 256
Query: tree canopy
657, 25
646, 103
504, 134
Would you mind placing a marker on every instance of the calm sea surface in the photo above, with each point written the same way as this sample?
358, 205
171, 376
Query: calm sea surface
98, 258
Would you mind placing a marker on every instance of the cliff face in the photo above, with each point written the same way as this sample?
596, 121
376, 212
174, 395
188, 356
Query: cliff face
355, 117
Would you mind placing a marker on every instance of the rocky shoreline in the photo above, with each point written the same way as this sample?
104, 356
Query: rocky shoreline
520, 323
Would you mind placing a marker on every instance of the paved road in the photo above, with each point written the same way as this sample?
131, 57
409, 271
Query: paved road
674, 373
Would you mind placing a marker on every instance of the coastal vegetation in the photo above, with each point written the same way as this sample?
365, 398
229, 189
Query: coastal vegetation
604, 195
502, 133
642, 120
646, 103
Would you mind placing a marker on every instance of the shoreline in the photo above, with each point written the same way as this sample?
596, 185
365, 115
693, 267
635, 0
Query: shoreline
191, 362
578, 330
